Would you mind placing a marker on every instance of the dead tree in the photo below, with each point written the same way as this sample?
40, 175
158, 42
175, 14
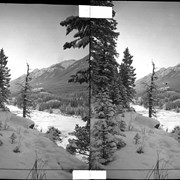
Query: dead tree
151, 91
25, 94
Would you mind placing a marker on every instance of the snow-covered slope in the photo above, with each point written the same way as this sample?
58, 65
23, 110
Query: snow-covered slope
30, 142
153, 141
43, 120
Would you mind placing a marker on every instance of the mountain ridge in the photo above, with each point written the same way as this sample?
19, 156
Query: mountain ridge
53, 77
167, 77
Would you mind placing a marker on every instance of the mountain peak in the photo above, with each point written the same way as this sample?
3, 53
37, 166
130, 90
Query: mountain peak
67, 63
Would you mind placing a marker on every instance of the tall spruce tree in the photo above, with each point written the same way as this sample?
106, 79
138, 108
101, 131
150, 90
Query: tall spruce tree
127, 76
150, 94
4, 80
101, 36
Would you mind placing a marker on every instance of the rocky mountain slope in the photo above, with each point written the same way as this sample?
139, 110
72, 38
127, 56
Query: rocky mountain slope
167, 78
55, 78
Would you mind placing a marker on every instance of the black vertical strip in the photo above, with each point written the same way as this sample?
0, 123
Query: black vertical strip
90, 70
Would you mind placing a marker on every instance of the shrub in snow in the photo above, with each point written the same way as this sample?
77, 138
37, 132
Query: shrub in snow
1, 143
122, 125
176, 128
80, 145
120, 144
136, 138
71, 147
16, 149
1, 125
13, 137
140, 150
54, 134
6, 126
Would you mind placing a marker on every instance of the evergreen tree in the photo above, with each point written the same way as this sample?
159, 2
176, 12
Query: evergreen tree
120, 95
101, 74
151, 92
80, 145
101, 36
25, 94
104, 143
127, 74
4, 80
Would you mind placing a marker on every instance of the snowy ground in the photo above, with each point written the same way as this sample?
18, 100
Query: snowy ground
168, 119
42, 120
128, 164
56, 160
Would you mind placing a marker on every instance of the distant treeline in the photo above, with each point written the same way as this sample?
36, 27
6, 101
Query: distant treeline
167, 100
72, 104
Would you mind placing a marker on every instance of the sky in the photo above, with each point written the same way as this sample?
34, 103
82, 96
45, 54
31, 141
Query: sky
32, 33
151, 31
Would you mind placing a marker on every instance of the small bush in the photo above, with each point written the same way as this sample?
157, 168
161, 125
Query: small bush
16, 149
1, 125
71, 148
54, 134
1, 143
137, 137
122, 125
13, 137
120, 144
176, 129
140, 150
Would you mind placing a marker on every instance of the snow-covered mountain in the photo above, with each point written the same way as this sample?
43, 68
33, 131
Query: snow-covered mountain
55, 78
167, 77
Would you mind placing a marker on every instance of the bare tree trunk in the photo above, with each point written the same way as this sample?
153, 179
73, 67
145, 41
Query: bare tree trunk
151, 91
25, 93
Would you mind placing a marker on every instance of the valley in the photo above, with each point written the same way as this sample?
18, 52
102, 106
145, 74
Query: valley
43, 120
